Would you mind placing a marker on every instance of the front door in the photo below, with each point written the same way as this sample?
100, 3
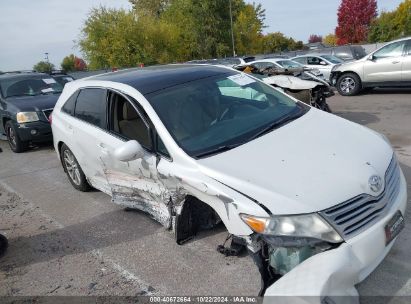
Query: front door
135, 184
386, 64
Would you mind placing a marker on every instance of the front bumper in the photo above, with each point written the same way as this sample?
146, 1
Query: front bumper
39, 131
332, 274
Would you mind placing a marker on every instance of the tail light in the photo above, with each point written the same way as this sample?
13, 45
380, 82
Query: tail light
50, 119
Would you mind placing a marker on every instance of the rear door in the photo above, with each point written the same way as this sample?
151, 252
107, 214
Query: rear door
386, 64
406, 65
85, 126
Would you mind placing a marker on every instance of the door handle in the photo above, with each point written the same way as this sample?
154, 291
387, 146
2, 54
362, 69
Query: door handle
395, 62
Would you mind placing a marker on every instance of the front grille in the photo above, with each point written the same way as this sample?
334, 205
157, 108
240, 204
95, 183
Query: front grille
357, 214
47, 113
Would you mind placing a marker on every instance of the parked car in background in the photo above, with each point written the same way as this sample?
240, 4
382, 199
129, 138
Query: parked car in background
284, 63
196, 145
324, 63
389, 66
228, 61
61, 77
26, 101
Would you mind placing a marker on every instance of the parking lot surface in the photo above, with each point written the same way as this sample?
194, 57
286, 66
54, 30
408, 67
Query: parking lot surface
64, 242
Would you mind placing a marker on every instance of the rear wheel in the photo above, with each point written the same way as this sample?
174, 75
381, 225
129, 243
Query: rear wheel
349, 84
74, 172
15, 143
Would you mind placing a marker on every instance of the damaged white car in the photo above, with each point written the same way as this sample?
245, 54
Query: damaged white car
317, 200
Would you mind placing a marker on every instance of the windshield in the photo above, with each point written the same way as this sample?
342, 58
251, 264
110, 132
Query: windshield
332, 59
290, 64
29, 86
221, 112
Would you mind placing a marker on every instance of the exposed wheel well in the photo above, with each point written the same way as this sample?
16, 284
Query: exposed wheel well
195, 215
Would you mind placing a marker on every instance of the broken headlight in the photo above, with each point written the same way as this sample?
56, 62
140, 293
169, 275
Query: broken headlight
23, 117
305, 226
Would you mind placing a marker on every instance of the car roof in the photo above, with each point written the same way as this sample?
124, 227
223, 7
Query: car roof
150, 79
10, 75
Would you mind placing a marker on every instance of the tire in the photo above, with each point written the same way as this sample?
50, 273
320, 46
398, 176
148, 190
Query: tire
74, 172
349, 84
15, 143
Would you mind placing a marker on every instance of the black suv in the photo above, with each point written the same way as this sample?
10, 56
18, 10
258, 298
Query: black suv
26, 102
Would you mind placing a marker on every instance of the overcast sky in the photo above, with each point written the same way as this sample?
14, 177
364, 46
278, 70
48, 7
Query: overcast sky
31, 28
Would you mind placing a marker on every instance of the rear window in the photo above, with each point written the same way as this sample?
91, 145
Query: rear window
91, 107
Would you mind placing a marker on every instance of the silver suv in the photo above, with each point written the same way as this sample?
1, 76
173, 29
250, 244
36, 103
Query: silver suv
389, 66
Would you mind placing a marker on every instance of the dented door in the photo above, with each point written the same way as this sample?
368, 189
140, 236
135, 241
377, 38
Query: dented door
134, 184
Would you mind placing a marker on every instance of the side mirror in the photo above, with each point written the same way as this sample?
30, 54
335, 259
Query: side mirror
372, 58
129, 151
323, 63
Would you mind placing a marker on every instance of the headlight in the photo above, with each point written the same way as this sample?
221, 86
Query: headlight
23, 117
307, 225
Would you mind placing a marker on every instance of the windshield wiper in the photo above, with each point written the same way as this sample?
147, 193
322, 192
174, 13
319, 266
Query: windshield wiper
219, 149
277, 124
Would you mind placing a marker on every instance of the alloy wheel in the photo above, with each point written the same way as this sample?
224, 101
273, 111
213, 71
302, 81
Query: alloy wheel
347, 84
72, 167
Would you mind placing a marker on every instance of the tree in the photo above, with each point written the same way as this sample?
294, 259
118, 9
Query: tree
43, 67
392, 25
330, 39
277, 42
79, 64
73, 63
248, 27
152, 8
354, 19
68, 63
315, 38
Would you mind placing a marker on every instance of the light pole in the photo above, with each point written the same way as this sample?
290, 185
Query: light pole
232, 31
46, 57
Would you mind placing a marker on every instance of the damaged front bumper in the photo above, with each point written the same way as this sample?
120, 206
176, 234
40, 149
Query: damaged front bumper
330, 276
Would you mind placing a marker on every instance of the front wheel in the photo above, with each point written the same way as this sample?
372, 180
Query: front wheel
15, 143
74, 172
349, 84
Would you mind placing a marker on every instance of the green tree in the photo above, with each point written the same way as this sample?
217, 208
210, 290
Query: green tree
392, 25
330, 39
68, 63
277, 42
43, 67
152, 8
248, 26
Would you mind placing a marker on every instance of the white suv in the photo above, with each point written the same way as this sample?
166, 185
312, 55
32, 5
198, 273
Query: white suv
309, 194
389, 66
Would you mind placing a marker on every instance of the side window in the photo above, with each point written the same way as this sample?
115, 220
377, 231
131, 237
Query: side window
313, 61
127, 122
91, 106
301, 60
392, 50
70, 104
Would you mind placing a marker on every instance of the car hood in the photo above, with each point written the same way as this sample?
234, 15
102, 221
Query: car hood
308, 165
33, 103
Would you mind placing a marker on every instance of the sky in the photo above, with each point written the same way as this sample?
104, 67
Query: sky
31, 28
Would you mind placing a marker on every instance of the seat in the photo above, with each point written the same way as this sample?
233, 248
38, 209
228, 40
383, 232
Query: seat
132, 126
